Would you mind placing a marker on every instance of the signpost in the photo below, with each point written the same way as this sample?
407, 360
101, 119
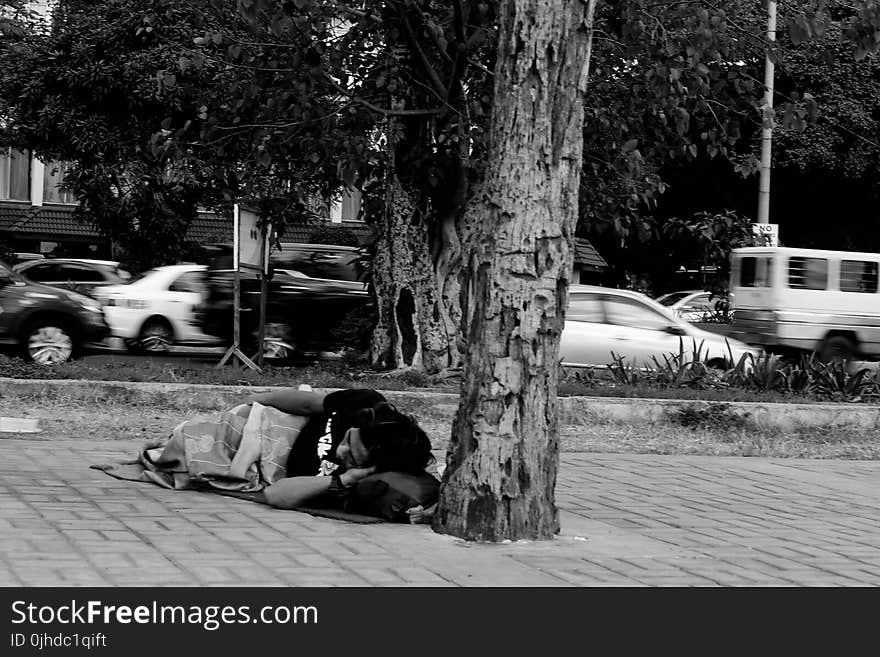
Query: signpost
250, 252
766, 234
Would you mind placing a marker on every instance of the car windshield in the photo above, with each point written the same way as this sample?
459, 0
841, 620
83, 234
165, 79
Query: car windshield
672, 297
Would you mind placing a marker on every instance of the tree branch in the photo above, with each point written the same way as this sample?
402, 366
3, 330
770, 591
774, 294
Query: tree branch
434, 38
382, 110
461, 57
422, 57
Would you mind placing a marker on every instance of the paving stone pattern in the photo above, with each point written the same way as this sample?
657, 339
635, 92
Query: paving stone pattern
628, 520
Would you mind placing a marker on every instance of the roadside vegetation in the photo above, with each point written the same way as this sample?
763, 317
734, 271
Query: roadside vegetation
767, 378
718, 428
711, 426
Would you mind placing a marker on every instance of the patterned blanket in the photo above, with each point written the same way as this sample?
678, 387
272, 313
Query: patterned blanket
241, 450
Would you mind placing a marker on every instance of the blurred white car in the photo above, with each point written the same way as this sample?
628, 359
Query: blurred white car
601, 320
155, 310
691, 305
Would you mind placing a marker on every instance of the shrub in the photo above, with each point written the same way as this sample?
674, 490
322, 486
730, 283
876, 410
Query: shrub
834, 381
713, 416
629, 375
766, 373
797, 376
585, 376
356, 328
676, 371
17, 368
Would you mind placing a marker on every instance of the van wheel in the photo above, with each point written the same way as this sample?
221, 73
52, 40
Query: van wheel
837, 348
49, 342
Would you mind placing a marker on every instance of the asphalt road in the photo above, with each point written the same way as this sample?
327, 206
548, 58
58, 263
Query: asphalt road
188, 356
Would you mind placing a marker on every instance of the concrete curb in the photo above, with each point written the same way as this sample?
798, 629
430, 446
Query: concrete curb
573, 411
786, 417
19, 425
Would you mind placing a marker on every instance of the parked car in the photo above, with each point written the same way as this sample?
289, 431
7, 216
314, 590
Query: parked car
79, 275
696, 305
47, 324
601, 320
155, 311
313, 289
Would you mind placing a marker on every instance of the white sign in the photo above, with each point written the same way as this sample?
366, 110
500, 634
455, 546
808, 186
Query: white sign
766, 234
249, 241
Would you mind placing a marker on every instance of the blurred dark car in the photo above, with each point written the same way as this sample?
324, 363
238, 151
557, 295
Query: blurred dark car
75, 274
47, 324
302, 308
20, 256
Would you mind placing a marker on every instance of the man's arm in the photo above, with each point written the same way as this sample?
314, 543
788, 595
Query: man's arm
295, 492
291, 400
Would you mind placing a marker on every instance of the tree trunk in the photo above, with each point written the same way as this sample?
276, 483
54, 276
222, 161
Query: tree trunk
410, 332
503, 456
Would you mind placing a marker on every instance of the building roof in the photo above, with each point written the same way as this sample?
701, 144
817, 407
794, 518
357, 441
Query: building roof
586, 255
12, 212
48, 220
58, 221
209, 227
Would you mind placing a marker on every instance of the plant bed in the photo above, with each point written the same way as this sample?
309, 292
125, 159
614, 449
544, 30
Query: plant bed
700, 429
767, 379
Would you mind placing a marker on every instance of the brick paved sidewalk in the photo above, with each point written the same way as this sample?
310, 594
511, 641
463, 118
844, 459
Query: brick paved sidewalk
627, 521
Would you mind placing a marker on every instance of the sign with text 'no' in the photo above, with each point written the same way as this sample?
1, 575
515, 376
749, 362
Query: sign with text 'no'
766, 234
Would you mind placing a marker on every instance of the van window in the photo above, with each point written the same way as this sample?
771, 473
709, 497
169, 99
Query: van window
858, 276
755, 272
807, 273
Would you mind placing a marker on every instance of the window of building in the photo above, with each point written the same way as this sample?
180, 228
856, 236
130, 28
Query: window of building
858, 276
15, 175
54, 176
807, 273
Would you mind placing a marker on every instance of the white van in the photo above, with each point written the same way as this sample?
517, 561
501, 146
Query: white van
807, 299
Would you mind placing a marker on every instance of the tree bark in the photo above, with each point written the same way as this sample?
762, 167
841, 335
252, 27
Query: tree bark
503, 456
410, 333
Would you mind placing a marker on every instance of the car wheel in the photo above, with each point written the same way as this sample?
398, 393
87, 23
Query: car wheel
279, 345
837, 348
156, 337
49, 342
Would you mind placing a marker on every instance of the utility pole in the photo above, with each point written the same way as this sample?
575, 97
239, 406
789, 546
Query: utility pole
767, 121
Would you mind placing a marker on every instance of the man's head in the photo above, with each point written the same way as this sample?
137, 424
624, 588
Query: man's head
387, 439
